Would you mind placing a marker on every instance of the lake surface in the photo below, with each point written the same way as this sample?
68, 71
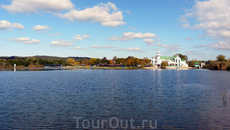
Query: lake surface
70, 99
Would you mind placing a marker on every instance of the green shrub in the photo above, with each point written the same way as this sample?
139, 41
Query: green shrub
228, 68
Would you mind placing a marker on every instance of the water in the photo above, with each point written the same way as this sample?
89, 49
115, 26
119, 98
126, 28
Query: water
183, 99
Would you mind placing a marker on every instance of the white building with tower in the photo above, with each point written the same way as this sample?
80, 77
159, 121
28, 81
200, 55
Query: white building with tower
172, 60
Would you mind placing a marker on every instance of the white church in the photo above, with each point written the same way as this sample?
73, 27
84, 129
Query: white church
172, 60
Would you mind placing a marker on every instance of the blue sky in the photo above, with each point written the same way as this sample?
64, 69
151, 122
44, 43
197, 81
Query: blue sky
93, 28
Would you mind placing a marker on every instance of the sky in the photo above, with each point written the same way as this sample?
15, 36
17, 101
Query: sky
199, 29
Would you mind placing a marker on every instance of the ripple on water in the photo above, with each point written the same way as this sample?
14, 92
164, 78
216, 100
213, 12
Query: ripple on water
175, 98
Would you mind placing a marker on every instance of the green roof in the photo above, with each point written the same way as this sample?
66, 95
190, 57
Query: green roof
168, 57
183, 60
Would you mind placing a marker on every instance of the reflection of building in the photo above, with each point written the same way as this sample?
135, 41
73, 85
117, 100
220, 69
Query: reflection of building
172, 60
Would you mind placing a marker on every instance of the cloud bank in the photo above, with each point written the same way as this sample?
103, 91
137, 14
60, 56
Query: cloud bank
99, 14
213, 19
36, 6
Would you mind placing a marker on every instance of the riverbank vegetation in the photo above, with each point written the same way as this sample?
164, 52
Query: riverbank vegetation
33, 62
221, 63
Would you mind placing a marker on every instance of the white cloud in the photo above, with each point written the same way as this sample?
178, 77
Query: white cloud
188, 38
221, 45
136, 49
79, 37
131, 36
62, 43
213, 19
80, 48
5, 25
102, 47
55, 34
195, 53
85, 36
105, 14
25, 40
112, 23
169, 47
18, 26
41, 28
36, 6
149, 40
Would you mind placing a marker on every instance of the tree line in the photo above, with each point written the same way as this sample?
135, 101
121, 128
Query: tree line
29, 62
221, 63
129, 61
37, 62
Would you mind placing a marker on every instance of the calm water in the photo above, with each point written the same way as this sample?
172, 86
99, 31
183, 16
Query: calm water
184, 99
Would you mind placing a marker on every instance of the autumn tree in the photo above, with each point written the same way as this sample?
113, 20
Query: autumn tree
77, 63
111, 62
136, 61
85, 62
164, 63
70, 61
146, 60
93, 61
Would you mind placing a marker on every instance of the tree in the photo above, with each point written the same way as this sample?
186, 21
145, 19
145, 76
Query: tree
104, 60
129, 62
118, 60
146, 60
221, 58
183, 57
61, 61
136, 61
192, 63
93, 61
70, 61
114, 58
77, 63
164, 63
98, 61
85, 62
143, 64
111, 62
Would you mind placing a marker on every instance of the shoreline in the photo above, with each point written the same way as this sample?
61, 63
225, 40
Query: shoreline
115, 68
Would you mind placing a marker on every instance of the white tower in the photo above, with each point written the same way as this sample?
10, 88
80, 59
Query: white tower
158, 56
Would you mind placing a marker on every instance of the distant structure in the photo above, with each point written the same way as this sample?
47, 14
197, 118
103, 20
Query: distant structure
172, 60
202, 65
197, 64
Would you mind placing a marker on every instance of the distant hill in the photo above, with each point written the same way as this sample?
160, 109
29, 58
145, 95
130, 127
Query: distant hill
44, 57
